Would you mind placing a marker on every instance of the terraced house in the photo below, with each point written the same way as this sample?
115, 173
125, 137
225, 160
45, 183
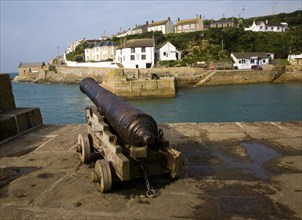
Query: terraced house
165, 26
189, 25
104, 50
222, 23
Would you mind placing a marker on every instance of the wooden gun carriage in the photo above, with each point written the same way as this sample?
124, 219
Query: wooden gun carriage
128, 140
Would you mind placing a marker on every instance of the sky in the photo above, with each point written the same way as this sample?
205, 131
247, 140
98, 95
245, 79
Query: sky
36, 31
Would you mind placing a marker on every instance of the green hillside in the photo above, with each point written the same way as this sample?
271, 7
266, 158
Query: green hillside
293, 19
216, 45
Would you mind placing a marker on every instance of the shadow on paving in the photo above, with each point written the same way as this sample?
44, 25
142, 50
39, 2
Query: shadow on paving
9, 174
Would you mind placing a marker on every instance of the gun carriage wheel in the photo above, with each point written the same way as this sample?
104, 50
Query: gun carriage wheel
102, 175
84, 147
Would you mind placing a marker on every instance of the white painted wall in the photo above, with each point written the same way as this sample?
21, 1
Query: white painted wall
245, 63
262, 27
104, 64
123, 56
168, 52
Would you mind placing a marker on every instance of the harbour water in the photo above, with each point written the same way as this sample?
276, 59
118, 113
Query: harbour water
64, 104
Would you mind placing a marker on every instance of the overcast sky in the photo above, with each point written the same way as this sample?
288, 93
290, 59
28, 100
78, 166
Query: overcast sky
32, 31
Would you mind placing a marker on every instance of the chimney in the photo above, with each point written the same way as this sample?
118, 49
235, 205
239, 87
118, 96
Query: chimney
169, 18
200, 16
178, 19
147, 22
266, 21
152, 21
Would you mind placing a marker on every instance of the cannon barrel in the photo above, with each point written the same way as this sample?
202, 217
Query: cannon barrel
133, 126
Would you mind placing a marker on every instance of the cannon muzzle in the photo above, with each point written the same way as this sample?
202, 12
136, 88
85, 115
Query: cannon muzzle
133, 126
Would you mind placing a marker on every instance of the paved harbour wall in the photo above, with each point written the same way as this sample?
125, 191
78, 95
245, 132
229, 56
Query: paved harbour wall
183, 76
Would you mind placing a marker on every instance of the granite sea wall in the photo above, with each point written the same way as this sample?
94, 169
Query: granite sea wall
183, 76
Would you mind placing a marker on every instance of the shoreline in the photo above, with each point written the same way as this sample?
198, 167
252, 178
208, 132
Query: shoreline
221, 77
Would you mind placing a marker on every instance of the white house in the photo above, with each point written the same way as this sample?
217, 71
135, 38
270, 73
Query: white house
71, 47
89, 53
189, 25
245, 60
136, 53
104, 50
295, 59
165, 26
264, 27
123, 33
167, 51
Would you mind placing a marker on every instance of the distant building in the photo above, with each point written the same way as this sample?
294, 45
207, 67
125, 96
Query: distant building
167, 51
123, 33
265, 27
295, 59
222, 24
139, 29
26, 69
71, 47
102, 51
189, 25
245, 60
165, 26
136, 53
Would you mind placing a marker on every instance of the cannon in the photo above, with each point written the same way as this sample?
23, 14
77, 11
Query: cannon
128, 140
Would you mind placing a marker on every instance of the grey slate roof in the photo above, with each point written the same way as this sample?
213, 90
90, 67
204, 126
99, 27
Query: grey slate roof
105, 43
29, 65
157, 23
144, 26
239, 55
146, 42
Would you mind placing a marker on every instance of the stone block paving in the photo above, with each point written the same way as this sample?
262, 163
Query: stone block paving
231, 171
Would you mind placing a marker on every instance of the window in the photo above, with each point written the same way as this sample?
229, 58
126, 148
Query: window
179, 27
143, 57
143, 49
132, 57
192, 25
132, 50
252, 61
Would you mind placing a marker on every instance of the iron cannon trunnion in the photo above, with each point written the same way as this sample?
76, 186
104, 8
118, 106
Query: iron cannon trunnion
127, 138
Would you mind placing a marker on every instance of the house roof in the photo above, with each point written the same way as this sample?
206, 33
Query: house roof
140, 27
29, 65
163, 44
157, 23
105, 43
188, 21
239, 55
146, 42
222, 22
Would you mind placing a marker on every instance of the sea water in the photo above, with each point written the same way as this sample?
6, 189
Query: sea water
64, 104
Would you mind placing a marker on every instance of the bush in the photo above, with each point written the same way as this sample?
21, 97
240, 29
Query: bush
52, 68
